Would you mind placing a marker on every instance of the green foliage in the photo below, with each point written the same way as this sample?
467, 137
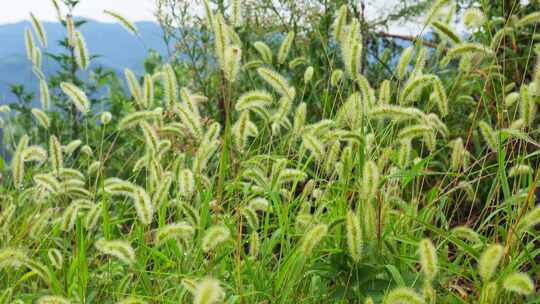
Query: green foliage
276, 176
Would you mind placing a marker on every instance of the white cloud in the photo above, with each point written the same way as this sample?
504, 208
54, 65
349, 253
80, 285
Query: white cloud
137, 10
134, 10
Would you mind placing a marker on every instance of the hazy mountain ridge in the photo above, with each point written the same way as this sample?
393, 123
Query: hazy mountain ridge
117, 48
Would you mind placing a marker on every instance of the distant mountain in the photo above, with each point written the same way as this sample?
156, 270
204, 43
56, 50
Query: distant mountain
117, 48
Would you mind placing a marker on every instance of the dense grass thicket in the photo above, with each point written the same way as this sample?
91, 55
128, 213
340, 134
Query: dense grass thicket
291, 182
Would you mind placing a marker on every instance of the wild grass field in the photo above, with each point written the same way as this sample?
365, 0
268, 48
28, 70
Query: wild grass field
279, 164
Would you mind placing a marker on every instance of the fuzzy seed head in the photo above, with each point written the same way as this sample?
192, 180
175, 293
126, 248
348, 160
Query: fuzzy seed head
519, 283
214, 236
128, 25
208, 291
178, 231
117, 248
77, 96
55, 154
489, 260
106, 118
81, 52
285, 48
312, 238
473, 18
354, 236
428, 259
403, 63
403, 295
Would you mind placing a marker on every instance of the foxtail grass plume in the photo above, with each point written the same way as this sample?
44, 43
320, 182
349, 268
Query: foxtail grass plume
161, 194
237, 14
208, 291
395, 113
41, 118
489, 260
315, 146
47, 182
251, 218
12, 257
178, 231
413, 85
117, 248
368, 94
463, 49
34, 153
129, 26
285, 48
332, 157
105, 118
435, 10
133, 85
190, 120
214, 236
336, 77
458, 154
519, 283
148, 91
70, 28
55, 258
527, 106
135, 118
186, 183
259, 204
385, 93
440, 97
30, 44
45, 97
40, 31
209, 14
264, 51
72, 146
81, 52
446, 32
276, 81
520, 169
528, 19
403, 63
55, 154
466, 233
143, 205
296, 62
312, 238
221, 38
253, 99
473, 18
77, 96
338, 27
354, 236
308, 74
370, 180
403, 295
415, 131
232, 62
428, 259
490, 136
92, 217
170, 86
351, 49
